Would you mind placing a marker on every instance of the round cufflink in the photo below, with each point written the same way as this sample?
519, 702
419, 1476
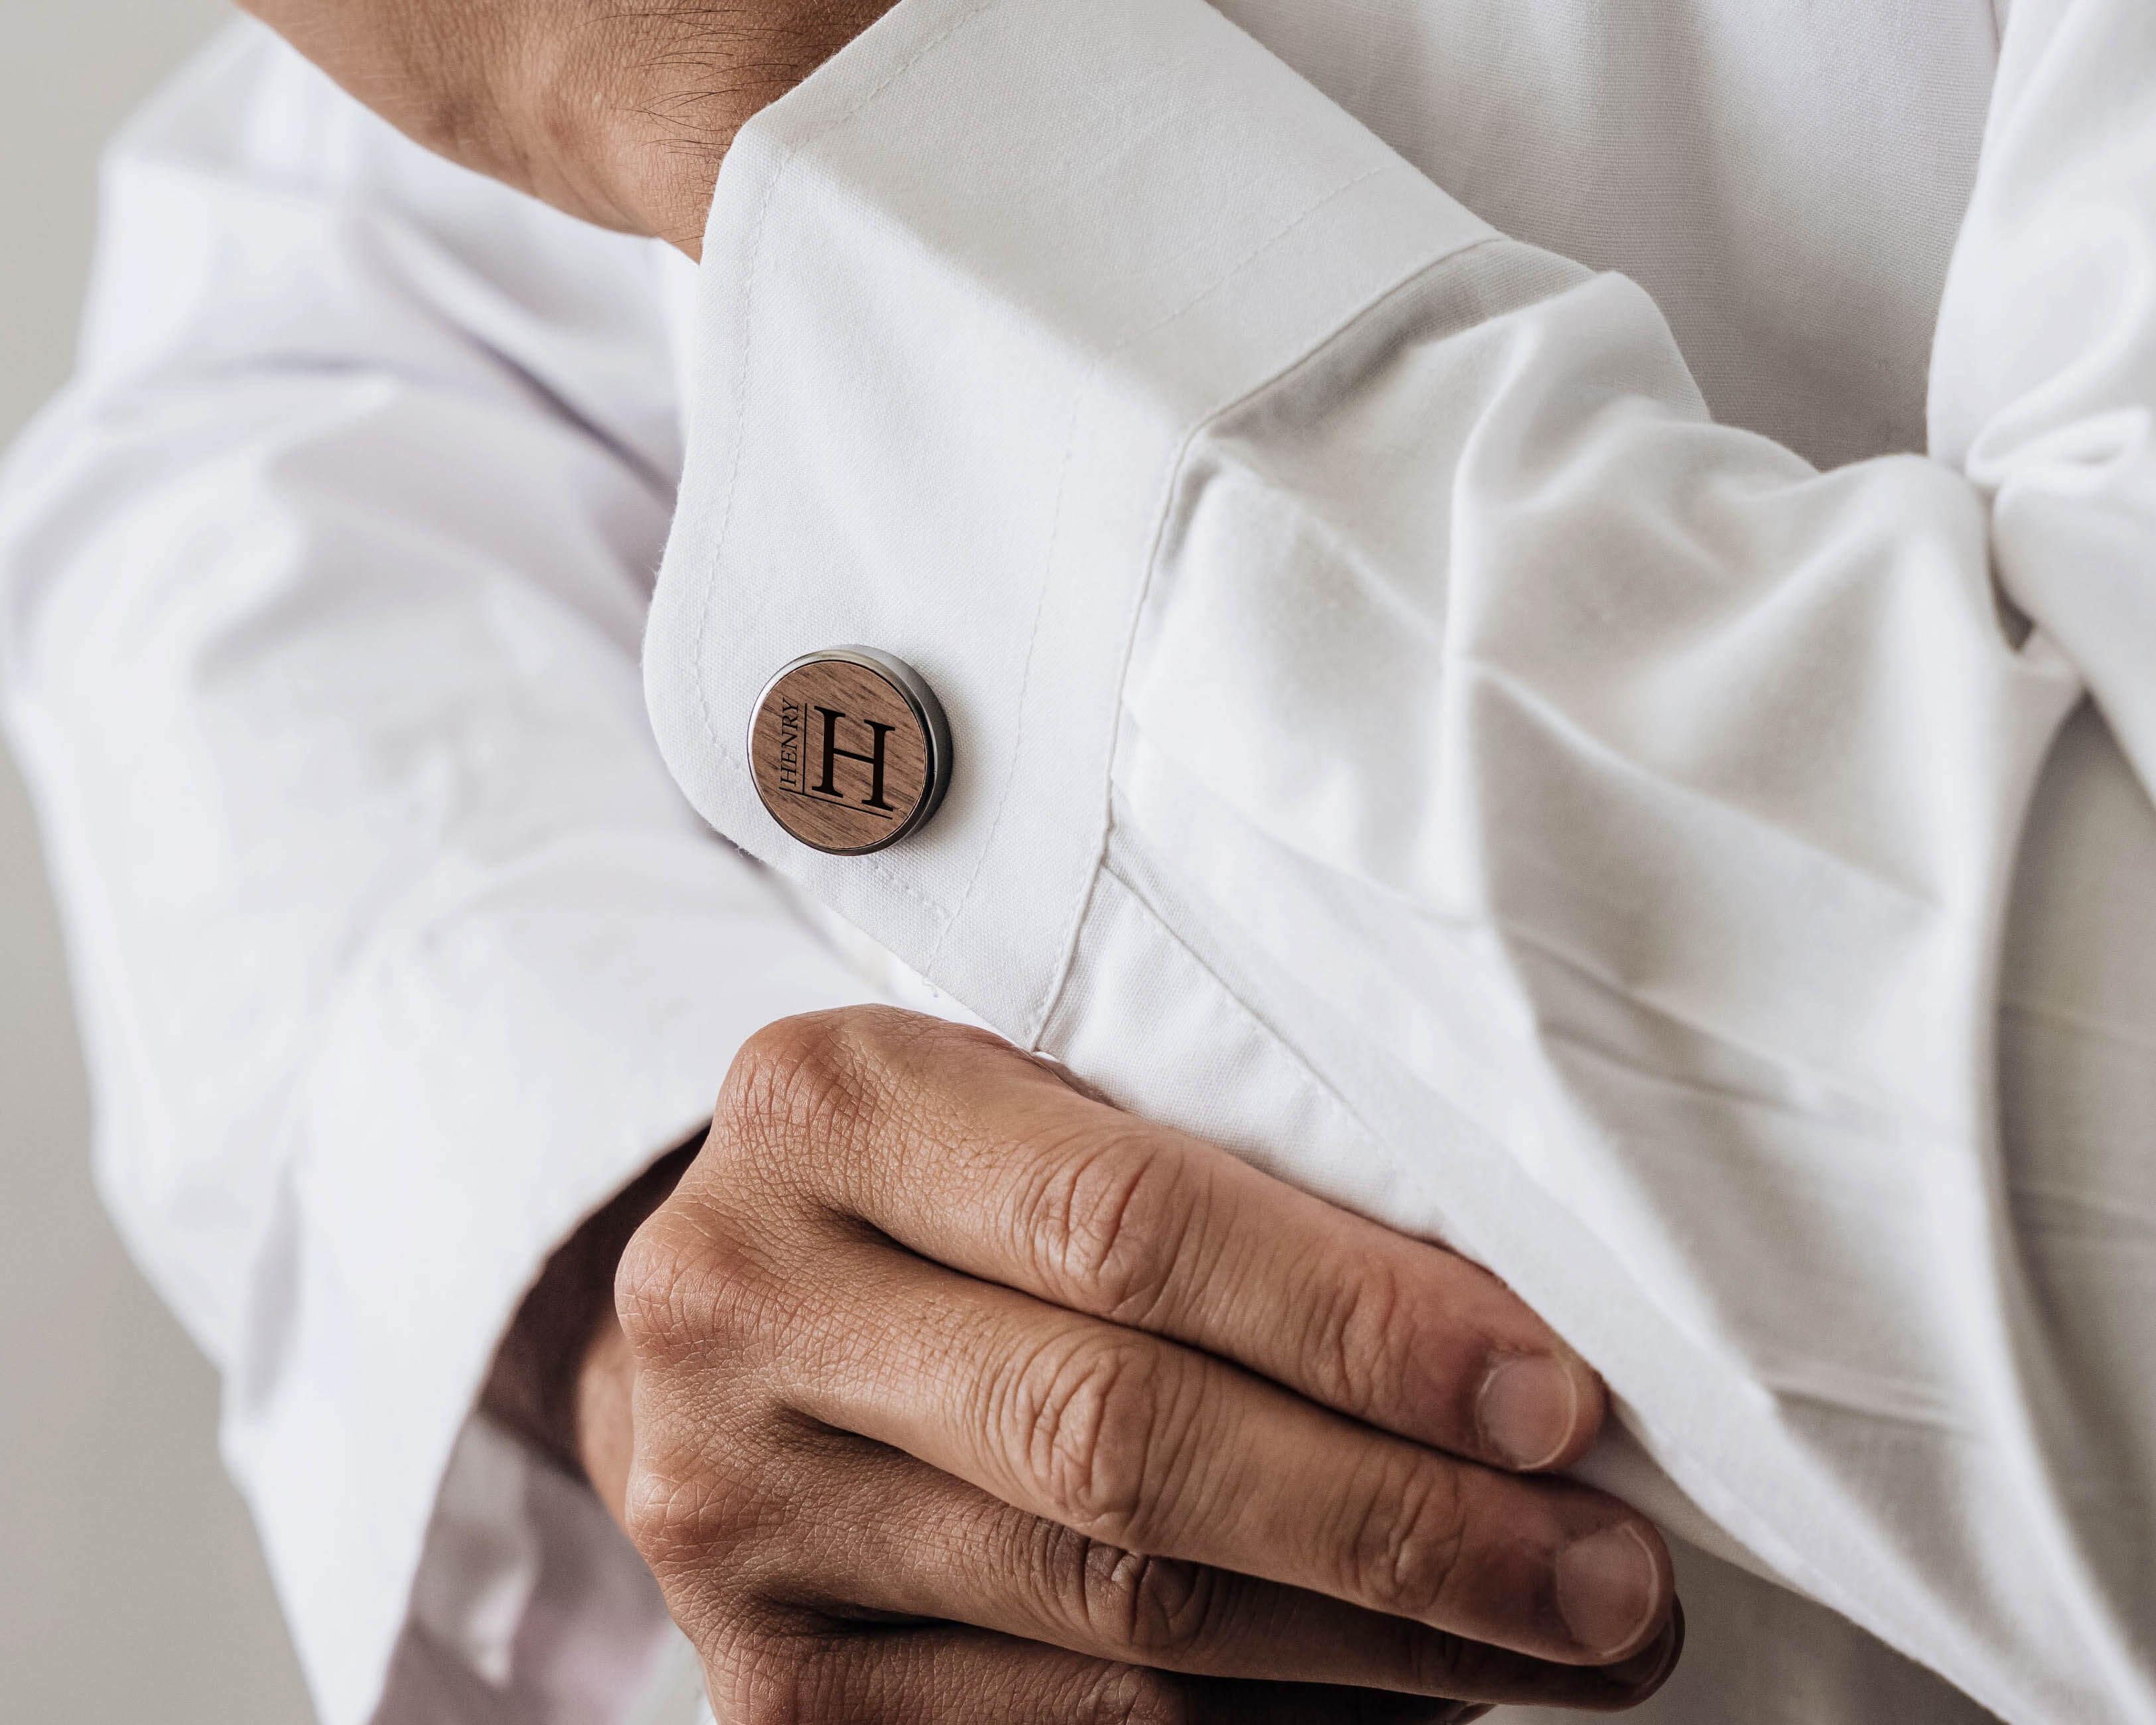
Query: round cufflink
849, 750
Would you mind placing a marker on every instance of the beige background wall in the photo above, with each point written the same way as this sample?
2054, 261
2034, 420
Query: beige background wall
130, 1589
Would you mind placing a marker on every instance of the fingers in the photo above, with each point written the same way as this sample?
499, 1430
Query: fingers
1154, 1448
969, 1152
898, 1538
935, 1675
1156, 1376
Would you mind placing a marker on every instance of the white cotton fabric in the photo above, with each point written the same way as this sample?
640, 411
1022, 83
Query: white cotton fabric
397, 951
1532, 809
1514, 588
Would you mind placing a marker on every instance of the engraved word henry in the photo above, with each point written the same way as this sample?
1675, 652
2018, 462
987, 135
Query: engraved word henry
849, 750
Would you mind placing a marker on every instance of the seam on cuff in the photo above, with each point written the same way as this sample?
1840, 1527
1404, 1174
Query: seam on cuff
1051, 986
741, 370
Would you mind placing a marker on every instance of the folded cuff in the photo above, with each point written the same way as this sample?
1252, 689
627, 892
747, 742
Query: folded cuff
520, 1044
925, 369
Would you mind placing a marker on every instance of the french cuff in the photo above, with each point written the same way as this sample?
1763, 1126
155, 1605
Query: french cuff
968, 295
525, 1038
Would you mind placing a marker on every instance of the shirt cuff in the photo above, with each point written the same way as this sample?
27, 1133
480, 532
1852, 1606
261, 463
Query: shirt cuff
518, 1048
1006, 349
979, 302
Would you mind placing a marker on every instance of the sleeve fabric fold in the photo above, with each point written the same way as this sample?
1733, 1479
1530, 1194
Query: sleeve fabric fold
396, 951
1403, 736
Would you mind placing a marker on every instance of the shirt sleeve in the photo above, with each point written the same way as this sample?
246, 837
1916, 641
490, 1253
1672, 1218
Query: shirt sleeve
1403, 736
396, 951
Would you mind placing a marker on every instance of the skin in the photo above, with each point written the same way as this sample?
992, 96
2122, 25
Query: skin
932, 1388
936, 1388
617, 111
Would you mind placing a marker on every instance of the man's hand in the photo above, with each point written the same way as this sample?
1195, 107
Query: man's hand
615, 111
959, 1395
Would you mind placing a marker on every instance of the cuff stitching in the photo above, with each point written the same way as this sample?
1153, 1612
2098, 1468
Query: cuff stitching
742, 371
1056, 533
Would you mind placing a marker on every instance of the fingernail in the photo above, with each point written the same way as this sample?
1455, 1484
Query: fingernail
1640, 1675
1528, 1409
1608, 1588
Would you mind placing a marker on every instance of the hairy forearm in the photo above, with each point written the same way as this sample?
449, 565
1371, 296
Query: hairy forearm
619, 115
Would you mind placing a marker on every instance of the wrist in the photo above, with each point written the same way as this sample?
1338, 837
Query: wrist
562, 1377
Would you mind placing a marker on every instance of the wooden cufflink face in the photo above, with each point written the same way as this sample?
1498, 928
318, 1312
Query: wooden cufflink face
849, 750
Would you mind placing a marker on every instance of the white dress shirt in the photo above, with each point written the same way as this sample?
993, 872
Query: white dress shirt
1505, 579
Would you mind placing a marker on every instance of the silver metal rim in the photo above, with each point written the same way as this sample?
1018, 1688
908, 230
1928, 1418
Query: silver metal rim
919, 697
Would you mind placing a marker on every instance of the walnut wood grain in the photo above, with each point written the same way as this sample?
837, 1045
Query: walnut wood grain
840, 757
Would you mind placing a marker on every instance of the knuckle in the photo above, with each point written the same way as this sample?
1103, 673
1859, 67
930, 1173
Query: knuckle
768, 1679
1354, 1341
1100, 1424
688, 1285
1439, 1664
1156, 1609
657, 1264
1125, 1695
813, 1086
1113, 1225
1410, 1540
681, 1513
809, 1100
789, 1075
